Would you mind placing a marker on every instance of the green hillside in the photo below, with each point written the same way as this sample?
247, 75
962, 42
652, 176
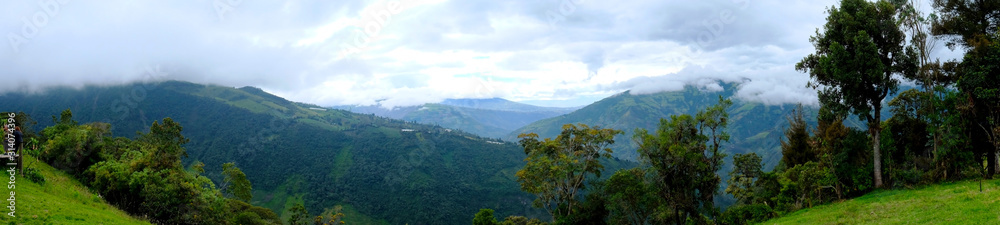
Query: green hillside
945, 203
377, 169
60, 199
754, 127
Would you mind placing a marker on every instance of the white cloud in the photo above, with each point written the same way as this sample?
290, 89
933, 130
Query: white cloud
423, 52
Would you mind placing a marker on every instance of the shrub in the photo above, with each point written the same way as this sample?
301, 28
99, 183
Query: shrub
746, 214
34, 175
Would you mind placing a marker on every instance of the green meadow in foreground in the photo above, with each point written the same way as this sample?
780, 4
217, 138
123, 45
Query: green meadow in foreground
59, 200
945, 203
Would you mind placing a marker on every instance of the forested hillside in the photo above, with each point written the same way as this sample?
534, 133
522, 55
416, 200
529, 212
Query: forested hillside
376, 168
755, 127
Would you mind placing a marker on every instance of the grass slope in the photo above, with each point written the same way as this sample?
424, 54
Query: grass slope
60, 200
948, 203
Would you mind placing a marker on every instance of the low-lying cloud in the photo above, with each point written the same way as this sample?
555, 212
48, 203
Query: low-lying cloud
411, 52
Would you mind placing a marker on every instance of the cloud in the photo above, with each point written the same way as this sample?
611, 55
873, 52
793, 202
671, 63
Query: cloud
421, 51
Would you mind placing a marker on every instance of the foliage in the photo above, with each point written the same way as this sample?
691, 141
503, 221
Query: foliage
34, 175
963, 22
591, 211
746, 214
684, 155
853, 172
795, 147
857, 58
980, 81
61, 199
238, 186
557, 169
746, 170
484, 217
520, 220
299, 215
243, 211
631, 199
331, 217
71, 147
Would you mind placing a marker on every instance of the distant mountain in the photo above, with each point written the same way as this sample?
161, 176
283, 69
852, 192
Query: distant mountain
381, 170
754, 127
503, 105
486, 117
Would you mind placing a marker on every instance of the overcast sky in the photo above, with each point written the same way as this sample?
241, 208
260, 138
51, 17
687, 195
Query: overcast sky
545, 52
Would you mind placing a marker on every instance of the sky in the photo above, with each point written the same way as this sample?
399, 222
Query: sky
409, 52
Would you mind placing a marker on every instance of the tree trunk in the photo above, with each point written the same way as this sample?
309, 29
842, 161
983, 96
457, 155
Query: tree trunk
876, 142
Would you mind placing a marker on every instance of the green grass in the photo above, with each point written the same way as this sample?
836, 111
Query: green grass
947, 203
59, 200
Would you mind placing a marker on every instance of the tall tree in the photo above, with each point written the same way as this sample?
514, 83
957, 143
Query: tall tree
557, 169
795, 148
980, 80
684, 154
746, 170
963, 22
975, 26
631, 199
236, 182
858, 56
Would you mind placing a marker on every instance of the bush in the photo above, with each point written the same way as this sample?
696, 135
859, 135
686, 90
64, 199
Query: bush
248, 218
34, 175
746, 214
520, 220
75, 148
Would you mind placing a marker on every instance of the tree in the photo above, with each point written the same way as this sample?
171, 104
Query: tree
795, 148
332, 216
857, 58
631, 199
965, 22
975, 26
746, 170
236, 183
298, 215
557, 169
684, 154
980, 80
484, 217
167, 141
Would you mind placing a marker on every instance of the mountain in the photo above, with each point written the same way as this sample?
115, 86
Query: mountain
380, 170
502, 105
753, 126
485, 117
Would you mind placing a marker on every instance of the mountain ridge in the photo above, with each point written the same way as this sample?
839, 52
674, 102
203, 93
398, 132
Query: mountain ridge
320, 158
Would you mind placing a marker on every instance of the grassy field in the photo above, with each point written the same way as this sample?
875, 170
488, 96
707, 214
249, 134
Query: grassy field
946, 203
60, 200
